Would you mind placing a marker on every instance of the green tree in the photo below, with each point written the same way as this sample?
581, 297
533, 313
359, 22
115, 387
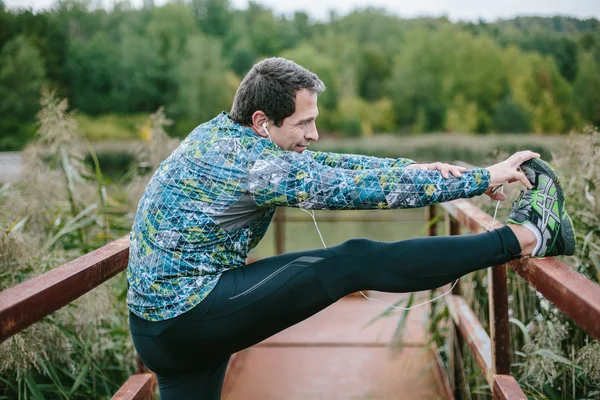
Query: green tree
142, 79
264, 30
462, 116
205, 87
169, 28
93, 71
21, 78
416, 86
6, 24
214, 16
511, 117
374, 72
535, 84
586, 89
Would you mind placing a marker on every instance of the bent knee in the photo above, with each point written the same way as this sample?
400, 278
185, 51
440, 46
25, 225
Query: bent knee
357, 247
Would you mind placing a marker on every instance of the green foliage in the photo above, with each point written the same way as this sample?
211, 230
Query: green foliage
552, 358
111, 126
510, 117
580, 160
526, 73
92, 76
586, 89
21, 78
214, 16
63, 209
202, 95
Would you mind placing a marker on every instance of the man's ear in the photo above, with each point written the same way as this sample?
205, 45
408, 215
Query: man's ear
258, 119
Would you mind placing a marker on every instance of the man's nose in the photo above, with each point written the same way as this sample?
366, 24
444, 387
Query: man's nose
313, 134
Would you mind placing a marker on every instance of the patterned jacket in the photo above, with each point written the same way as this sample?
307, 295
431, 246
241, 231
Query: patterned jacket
212, 200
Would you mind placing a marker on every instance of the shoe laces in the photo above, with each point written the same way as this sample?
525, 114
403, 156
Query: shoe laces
527, 197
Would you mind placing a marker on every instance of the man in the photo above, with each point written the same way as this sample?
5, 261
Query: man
194, 302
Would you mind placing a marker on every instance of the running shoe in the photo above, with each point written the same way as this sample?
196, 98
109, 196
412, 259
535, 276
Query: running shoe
542, 210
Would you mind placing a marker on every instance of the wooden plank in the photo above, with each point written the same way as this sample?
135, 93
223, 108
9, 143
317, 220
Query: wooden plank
291, 373
234, 368
506, 388
472, 331
30, 301
571, 292
137, 387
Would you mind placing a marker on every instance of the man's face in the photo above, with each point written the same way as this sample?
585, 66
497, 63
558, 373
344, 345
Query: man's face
299, 129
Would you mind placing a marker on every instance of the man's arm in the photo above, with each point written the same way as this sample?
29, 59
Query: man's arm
356, 161
284, 178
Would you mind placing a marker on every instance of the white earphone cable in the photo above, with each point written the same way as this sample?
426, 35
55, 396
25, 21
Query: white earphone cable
312, 214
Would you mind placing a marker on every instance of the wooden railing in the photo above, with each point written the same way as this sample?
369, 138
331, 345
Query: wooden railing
576, 296
571, 292
30, 301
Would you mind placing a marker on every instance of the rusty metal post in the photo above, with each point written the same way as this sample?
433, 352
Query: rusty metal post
499, 328
456, 356
280, 230
431, 223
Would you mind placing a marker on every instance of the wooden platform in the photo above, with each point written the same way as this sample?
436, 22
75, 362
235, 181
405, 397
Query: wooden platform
333, 355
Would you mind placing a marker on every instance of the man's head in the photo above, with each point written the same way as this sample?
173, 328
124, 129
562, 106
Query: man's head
283, 95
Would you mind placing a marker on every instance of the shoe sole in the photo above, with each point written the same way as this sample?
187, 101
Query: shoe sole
566, 238
536, 163
567, 234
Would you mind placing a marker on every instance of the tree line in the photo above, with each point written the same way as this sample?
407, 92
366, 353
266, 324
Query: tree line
383, 73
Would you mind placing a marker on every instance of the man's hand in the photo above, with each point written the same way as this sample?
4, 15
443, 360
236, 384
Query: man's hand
508, 171
439, 166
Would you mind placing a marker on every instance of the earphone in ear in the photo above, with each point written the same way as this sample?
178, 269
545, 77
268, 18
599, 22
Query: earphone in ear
264, 126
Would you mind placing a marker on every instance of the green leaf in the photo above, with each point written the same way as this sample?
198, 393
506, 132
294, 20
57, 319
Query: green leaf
556, 357
73, 224
523, 328
51, 373
398, 334
550, 392
387, 312
17, 225
33, 387
8, 383
520, 353
80, 377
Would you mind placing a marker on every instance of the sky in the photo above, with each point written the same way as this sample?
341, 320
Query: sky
471, 10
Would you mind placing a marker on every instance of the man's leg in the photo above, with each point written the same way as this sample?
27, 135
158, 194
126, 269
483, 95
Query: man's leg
251, 303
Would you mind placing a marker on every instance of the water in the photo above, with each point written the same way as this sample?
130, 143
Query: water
398, 225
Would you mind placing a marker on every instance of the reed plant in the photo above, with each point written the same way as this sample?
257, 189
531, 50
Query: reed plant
552, 357
64, 208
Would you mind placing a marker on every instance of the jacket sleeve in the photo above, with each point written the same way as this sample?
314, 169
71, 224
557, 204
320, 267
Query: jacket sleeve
356, 161
286, 178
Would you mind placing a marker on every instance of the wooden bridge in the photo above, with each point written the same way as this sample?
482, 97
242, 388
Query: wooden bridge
333, 355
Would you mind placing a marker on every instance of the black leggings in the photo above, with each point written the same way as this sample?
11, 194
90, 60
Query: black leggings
190, 353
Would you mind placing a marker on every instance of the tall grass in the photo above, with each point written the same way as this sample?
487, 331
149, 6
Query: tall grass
67, 205
64, 208
552, 358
